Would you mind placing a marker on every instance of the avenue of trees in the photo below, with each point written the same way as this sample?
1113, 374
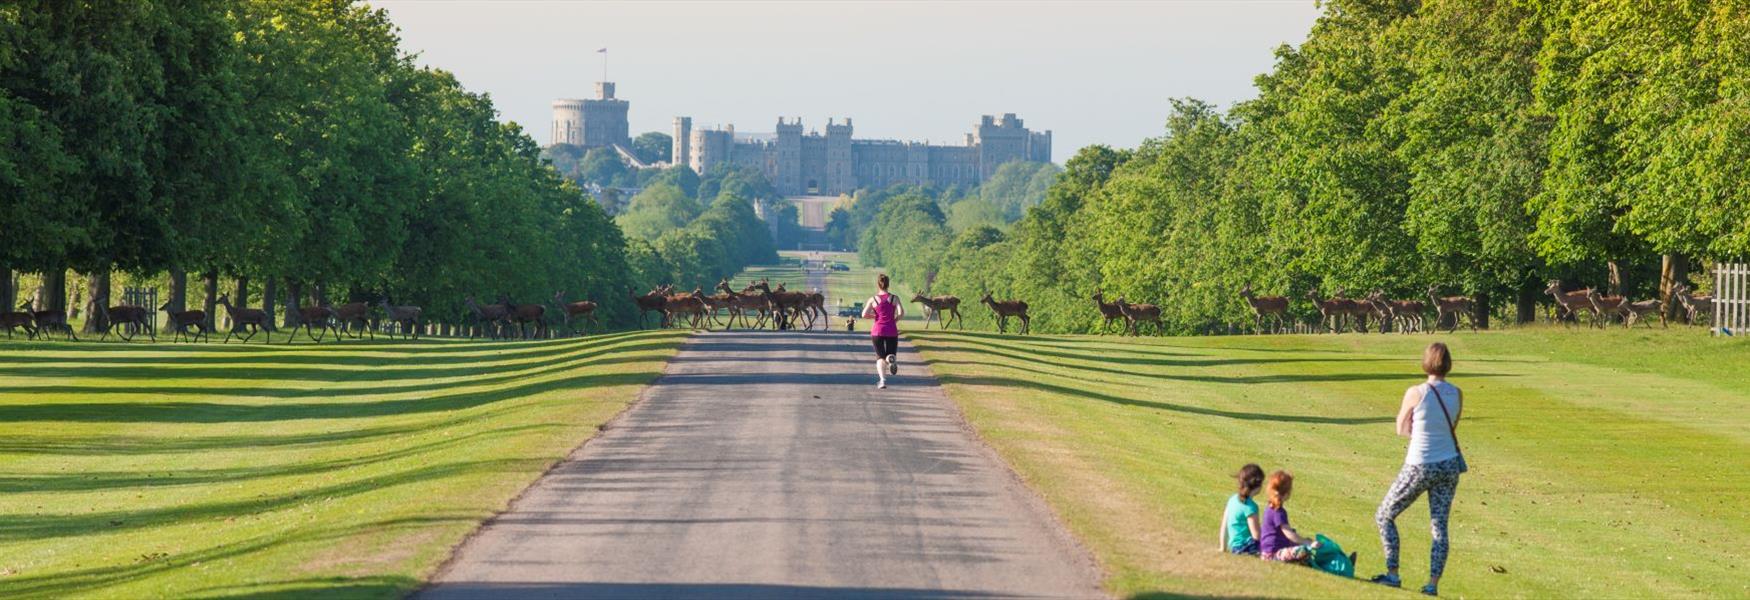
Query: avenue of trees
1486, 146
279, 151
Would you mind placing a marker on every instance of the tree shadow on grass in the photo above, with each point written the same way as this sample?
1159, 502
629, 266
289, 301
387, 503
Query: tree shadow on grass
1167, 406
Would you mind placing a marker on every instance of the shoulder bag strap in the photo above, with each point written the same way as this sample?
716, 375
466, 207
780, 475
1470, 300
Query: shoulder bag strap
1450, 426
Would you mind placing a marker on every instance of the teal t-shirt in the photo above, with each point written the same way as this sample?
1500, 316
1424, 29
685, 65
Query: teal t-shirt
1238, 511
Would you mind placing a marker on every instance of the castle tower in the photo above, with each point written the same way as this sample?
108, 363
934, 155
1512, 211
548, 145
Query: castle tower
840, 176
1000, 142
568, 121
788, 158
682, 145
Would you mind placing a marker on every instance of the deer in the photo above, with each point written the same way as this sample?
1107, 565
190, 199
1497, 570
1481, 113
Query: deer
350, 314
1008, 308
1606, 307
1456, 306
135, 318
253, 320
1110, 311
1694, 307
1405, 315
937, 306
20, 319
691, 304
492, 317
651, 302
406, 316
1271, 307
1639, 311
181, 320
786, 305
1570, 303
583, 310
523, 315
1359, 310
723, 300
1331, 311
315, 320
817, 305
1135, 314
749, 300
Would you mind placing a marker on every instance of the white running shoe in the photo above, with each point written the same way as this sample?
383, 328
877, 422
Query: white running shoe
882, 385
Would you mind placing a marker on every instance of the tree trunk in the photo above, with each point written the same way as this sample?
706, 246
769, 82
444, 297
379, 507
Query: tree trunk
178, 300
211, 279
1674, 269
1526, 303
1480, 310
293, 317
8, 289
1615, 288
270, 298
97, 305
54, 290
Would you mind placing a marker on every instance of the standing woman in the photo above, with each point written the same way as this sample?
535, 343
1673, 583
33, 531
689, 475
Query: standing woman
1429, 416
886, 311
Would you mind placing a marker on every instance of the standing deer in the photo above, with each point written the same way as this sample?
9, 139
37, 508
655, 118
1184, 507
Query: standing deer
651, 302
1331, 311
1272, 307
253, 320
16, 320
1456, 306
1008, 308
492, 318
582, 310
1570, 303
183, 319
133, 318
939, 305
1108, 310
1694, 307
525, 314
405, 316
315, 320
1140, 313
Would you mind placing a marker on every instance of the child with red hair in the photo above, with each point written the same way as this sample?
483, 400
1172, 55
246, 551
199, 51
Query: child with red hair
1279, 541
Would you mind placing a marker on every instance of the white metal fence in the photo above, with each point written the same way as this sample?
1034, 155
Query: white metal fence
1732, 299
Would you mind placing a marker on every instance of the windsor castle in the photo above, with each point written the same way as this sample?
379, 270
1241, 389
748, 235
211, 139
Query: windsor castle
800, 163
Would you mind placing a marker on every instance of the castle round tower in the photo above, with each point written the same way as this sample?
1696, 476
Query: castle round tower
568, 121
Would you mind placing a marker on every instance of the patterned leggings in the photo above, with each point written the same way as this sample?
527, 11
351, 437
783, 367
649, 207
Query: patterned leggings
1440, 480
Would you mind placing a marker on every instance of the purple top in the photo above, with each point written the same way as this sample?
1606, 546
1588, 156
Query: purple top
1270, 538
885, 324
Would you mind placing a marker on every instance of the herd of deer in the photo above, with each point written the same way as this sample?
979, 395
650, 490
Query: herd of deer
1338, 313
754, 307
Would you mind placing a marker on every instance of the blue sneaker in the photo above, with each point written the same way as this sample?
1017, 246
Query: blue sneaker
1387, 580
1428, 590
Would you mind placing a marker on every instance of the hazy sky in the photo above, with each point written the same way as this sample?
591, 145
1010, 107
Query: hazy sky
1092, 72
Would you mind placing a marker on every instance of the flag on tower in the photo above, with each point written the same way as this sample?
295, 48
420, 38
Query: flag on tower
602, 51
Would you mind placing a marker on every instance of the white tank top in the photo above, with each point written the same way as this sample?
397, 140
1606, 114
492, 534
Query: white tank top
1430, 434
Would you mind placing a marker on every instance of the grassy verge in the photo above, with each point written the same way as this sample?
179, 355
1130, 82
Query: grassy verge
343, 469
1604, 464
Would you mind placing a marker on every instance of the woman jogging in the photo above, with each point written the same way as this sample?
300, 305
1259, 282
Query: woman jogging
1429, 416
886, 311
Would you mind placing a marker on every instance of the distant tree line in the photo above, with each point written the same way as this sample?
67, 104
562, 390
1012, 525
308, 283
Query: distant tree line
292, 149
1483, 146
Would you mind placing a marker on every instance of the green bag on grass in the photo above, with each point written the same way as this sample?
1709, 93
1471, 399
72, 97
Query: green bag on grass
1331, 558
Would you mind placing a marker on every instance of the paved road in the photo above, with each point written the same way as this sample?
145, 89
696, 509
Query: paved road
767, 465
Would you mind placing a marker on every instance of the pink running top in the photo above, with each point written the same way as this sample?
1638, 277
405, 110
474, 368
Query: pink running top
884, 308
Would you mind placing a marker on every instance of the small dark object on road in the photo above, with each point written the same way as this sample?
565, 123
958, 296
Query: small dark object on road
850, 324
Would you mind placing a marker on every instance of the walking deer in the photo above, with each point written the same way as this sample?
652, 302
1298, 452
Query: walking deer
134, 319
492, 318
1694, 307
1455, 306
937, 305
688, 304
252, 320
582, 310
1008, 308
405, 316
1570, 303
524, 315
1640, 311
351, 314
1331, 311
1607, 307
19, 320
181, 320
1271, 307
1135, 314
1405, 315
653, 301
315, 320
817, 306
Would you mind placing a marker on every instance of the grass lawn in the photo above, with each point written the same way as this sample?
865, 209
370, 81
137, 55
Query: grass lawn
349, 469
1604, 464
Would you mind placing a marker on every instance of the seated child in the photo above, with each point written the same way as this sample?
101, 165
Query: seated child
1239, 525
1280, 542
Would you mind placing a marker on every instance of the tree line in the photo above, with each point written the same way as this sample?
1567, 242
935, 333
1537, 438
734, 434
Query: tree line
1485, 146
294, 150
